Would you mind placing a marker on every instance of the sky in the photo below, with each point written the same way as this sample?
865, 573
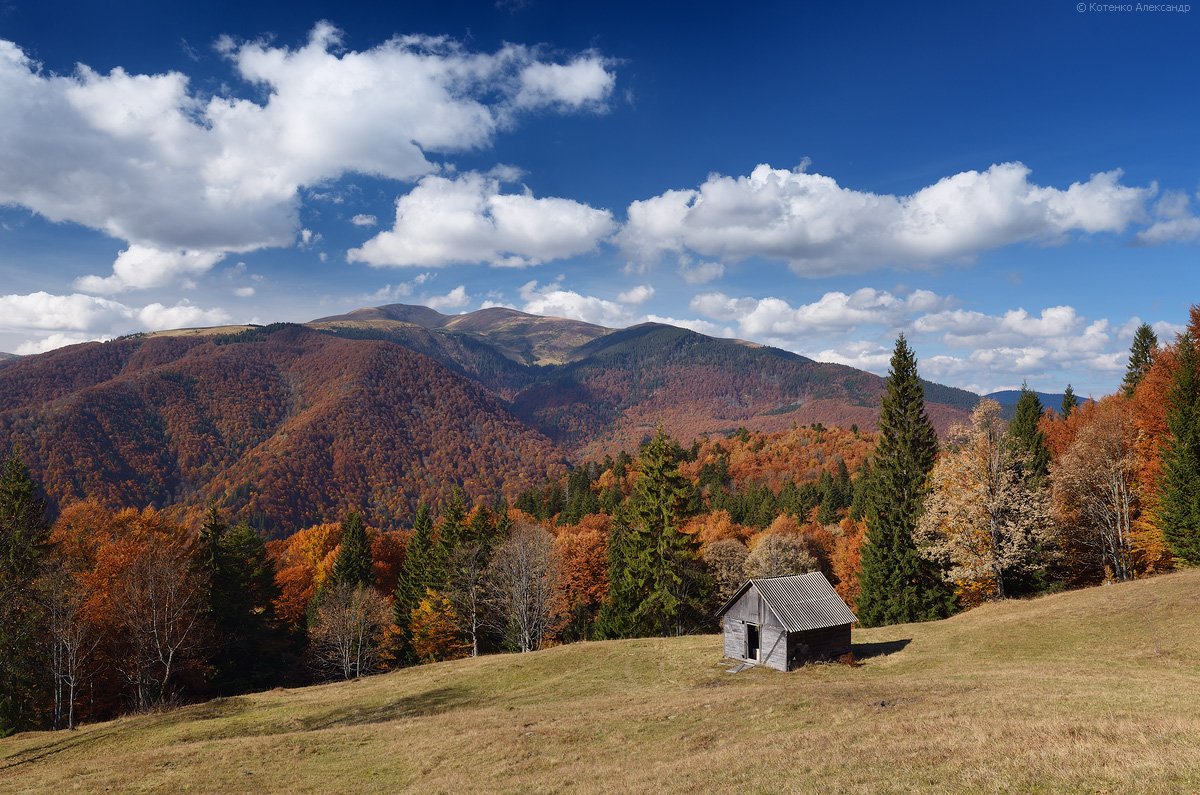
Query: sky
1011, 185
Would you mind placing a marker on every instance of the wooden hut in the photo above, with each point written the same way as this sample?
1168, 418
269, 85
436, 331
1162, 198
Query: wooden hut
784, 622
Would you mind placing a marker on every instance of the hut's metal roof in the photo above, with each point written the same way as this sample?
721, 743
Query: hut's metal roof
801, 601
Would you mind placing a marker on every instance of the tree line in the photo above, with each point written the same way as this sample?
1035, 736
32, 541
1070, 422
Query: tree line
103, 612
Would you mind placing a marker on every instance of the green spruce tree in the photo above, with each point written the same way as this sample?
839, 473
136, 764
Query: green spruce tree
1028, 439
250, 645
657, 583
353, 565
897, 584
415, 576
1069, 402
1179, 509
859, 492
23, 534
1141, 356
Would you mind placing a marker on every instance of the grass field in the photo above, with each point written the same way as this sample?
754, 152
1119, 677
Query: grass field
1094, 691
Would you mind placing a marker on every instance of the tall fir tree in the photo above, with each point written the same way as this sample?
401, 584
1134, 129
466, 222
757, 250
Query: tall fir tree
415, 577
353, 565
657, 583
251, 646
860, 491
1179, 507
1069, 401
23, 534
1030, 442
897, 584
1141, 356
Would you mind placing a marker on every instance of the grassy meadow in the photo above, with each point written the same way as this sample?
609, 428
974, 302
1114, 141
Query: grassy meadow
1094, 691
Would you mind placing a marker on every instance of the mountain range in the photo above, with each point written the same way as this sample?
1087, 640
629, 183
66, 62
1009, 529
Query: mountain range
292, 424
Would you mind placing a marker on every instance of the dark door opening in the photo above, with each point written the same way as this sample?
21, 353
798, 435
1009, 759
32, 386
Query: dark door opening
751, 641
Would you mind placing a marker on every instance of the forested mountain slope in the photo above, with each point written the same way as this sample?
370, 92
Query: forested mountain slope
282, 426
288, 425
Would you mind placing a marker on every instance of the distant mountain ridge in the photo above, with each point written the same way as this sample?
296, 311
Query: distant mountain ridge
377, 409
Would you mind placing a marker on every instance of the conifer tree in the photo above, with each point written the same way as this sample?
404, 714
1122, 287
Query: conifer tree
23, 533
828, 511
414, 577
249, 642
858, 498
897, 584
1069, 402
1141, 356
1179, 509
353, 566
657, 583
1029, 441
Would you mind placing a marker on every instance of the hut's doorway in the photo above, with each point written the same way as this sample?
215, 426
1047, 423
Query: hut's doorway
751, 641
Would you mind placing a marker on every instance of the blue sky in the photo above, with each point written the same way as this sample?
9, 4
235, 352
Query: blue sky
1012, 185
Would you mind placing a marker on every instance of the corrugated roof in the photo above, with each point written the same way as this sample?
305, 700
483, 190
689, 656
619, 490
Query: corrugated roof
801, 601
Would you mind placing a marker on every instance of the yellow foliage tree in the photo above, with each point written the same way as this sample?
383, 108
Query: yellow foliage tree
434, 630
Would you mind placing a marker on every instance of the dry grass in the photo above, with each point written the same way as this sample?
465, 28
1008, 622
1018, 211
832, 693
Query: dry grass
1090, 691
208, 331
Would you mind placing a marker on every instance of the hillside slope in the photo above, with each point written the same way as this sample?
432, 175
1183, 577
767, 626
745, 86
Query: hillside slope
1087, 691
284, 426
620, 386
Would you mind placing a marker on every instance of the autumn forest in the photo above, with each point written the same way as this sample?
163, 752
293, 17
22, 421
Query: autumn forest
108, 607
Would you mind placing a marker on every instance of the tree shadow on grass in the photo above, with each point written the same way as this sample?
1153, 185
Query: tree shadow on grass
431, 702
864, 650
62, 741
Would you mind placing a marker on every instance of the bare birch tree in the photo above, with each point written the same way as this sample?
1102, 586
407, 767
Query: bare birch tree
160, 599
348, 629
72, 639
521, 581
467, 591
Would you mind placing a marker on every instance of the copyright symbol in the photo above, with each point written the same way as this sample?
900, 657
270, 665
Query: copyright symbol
1081, 7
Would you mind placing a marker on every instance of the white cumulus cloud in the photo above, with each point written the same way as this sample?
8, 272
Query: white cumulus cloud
819, 227
79, 318
775, 318
636, 295
467, 219
455, 299
556, 301
185, 178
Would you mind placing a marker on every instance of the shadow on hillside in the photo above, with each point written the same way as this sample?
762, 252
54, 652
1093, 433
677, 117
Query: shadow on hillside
432, 702
63, 741
864, 650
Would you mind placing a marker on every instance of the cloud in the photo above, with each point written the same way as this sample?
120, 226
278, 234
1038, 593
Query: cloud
775, 318
244, 292
1174, 222
188, 177
583, 83
636, 295
466, 219
695, 324
820, 227
142, 267
364, 220
455, 299
700, 272
553, 300
53, 341
182, 315
42, 310
79, 318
